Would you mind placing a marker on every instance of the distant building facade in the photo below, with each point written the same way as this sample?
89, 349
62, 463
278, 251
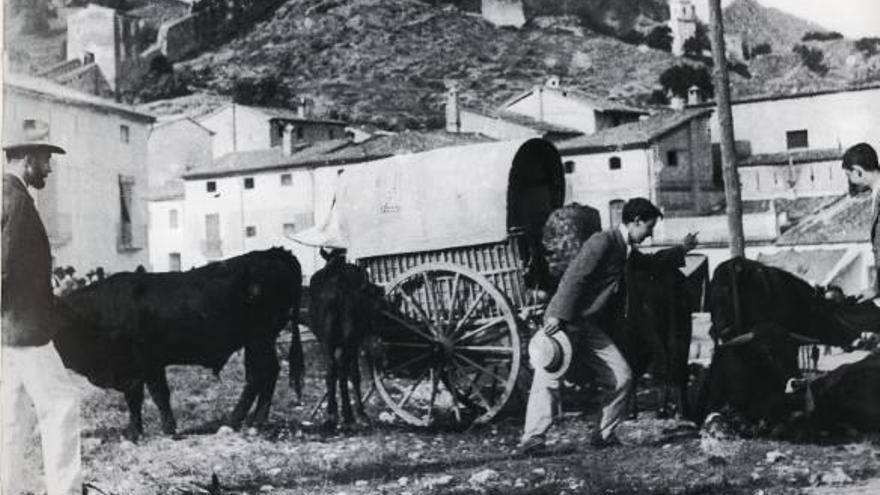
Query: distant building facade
682, 23
92, 204
244, 128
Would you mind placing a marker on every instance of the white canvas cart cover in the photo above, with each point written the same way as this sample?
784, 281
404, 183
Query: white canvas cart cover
441, 199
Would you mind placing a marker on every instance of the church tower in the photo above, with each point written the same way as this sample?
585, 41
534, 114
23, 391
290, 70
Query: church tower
682, 22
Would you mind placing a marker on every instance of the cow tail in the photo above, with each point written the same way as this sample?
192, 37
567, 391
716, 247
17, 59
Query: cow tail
295, 360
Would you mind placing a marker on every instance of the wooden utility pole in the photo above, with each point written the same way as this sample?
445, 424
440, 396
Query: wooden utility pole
725, 122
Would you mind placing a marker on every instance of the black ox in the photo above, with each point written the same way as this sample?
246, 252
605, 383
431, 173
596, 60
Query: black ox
760, 317
343, 305
122, 332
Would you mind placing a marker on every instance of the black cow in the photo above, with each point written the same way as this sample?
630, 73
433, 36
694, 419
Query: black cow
659, 327
122, 332
342, 309
748, 375
744, 293
844, 400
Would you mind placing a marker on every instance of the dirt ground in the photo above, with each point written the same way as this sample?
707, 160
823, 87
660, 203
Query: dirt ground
292, 456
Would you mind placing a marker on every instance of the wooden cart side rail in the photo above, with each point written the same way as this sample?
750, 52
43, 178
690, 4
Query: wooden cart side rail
499, 262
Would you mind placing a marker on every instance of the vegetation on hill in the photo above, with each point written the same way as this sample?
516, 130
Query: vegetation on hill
766, 25
387, 63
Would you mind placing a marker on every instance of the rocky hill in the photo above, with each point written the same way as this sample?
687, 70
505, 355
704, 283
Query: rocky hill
761, 24
386, 62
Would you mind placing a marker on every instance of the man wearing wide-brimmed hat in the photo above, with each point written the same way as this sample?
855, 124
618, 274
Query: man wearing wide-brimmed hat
31, 366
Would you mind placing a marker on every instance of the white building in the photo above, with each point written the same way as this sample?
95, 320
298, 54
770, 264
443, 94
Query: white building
92, 204
177, 144
245, 128
570, 109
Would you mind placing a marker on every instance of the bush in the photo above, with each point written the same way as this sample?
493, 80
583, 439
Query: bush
812, 59
761, 49
632, 37
660, 38
679, 78
822, 36
868, 46
698, 43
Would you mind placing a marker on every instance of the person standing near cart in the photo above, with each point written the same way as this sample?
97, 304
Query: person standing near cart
31, 366
588, 307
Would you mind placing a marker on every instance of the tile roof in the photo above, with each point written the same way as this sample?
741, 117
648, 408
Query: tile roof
803, 94
195, 105
65, 94
847, 219
796, 156
634, 134
523, 120
331, 152
814, 266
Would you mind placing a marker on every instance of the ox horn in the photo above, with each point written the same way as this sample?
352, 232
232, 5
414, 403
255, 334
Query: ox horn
740, 339
802, 339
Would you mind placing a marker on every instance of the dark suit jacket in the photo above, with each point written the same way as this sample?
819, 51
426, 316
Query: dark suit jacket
26, 268
592, 290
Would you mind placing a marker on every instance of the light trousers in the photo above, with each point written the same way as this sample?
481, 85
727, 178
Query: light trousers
597, 352
38, 373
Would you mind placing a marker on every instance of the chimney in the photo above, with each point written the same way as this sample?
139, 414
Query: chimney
694, 96
303, 111
553, 82
288, 140
453, 112
539, 92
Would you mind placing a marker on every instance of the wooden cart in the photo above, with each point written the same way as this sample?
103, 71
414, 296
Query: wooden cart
449, 235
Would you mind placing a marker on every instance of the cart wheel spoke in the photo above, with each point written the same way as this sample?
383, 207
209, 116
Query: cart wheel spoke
487, 349
413, 345
467, 314
480, 329
485, 370
406, 364
412, 389
409, 326
421, 311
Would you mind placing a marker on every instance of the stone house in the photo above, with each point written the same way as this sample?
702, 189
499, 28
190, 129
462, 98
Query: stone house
92, 204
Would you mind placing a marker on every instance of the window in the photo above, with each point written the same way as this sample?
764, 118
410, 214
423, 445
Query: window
211, 247
615, 212
172, 219
289, 229
125, 234
796, 139
123, 133
286, 179
299, 132
248, 182
250, 231
672, 158
173, 262
568, 166
211, 186
614, 163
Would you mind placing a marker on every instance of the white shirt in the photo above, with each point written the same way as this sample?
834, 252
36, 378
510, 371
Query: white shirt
625, 233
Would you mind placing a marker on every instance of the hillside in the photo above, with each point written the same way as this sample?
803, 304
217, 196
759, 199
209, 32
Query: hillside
761, 24
386, 62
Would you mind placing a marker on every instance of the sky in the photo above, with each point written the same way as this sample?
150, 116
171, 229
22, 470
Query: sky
853, 18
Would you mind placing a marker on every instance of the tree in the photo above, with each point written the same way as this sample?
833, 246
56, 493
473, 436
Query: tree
698, 43
812, 59
679, 78
761, 49
822, 36
660, 38
868, 46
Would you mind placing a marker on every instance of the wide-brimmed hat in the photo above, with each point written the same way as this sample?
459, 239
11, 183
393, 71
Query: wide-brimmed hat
33, 135
551, 353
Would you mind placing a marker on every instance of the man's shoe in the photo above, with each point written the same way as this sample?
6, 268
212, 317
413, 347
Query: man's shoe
601, 443
531, 446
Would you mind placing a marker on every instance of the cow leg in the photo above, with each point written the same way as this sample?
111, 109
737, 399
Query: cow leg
355, 374
334, 358
134, 398
248, 393
157, 384
268, 377
347, 416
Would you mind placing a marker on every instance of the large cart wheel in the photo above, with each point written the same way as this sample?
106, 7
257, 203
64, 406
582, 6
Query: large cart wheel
450, 347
